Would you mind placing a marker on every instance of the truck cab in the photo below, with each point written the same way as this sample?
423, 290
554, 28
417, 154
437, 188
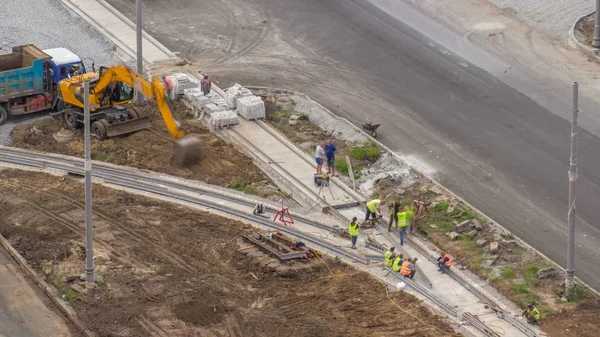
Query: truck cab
64, 64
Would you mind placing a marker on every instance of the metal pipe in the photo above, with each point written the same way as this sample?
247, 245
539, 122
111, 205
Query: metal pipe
596, 41
89, 266
570, 277
138, 36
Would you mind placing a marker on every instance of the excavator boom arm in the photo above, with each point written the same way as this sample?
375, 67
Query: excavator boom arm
153, 90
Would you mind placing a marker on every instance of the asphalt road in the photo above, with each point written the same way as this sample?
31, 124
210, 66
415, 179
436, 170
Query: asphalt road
483, 140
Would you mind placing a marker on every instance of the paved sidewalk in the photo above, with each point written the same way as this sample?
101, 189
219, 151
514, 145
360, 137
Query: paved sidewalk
24, 310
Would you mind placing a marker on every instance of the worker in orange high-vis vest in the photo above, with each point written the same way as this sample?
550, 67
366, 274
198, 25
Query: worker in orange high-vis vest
408, 268
444, 262
205, 84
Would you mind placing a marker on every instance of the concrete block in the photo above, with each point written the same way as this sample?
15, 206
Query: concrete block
472, 233
477, 225
497, 237
182, 82
494, 247
77, 288
236, 92
549, 272
72, 277
453, 235
191, 94
463, 226
97, 278
251, 107
481, 242
211, 108
510, 243
221, 119
201, 101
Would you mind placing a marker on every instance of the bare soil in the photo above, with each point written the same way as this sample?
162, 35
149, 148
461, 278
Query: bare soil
175, 271
220, 164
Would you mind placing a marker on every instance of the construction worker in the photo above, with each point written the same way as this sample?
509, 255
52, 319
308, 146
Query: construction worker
330, 155
398, 263
408, 268
444, 262
531, 313
388, 257
374, 208
405, 219
205, 84
394, 209
353, 231
168, 83
320, 156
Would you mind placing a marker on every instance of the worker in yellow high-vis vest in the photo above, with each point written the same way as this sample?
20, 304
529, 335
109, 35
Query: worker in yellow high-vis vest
374, 208
353, 231
388, 257
397, 264
405, 219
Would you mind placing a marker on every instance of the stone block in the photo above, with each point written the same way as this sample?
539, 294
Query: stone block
236, 92
477, 225
472, 233
453, 235
73, 277
211, 108
221, 119
548, 273
77, 288
497, 237
510, 243
481, 242
494, 247
191, 94
251, 107
463, 226
201, 101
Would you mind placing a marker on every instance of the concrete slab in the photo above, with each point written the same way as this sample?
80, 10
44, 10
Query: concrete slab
24, 309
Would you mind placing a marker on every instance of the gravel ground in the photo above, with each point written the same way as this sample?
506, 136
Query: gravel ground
555, 17
47, 24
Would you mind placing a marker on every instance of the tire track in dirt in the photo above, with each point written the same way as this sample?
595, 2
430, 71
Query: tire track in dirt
134, 238
140, 238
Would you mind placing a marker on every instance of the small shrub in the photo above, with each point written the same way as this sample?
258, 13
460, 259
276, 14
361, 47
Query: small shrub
98, 156
69, 294
519, 288
365, 151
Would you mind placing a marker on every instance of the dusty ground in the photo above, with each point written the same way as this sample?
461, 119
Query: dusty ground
173, 271
220, 164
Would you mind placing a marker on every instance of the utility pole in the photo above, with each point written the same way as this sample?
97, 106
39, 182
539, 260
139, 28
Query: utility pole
89, 265
596, 41
570, 278
138, 31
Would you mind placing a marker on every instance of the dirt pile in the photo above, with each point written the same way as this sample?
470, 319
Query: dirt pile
174, 271
220, 164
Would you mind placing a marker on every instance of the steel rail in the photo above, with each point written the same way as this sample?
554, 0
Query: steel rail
139, 182
132, 183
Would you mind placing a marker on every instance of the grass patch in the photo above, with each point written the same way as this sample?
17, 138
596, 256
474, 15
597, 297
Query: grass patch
240, 186
508, 273
579, 293
65, 290
341, 165
442, 207
365, 151
98, 156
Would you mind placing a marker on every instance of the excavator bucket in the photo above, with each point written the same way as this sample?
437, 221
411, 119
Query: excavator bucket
186, 151
128, 126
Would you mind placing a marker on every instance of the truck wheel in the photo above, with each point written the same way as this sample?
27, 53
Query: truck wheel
133, 112
71, 119
99, 130
3, 115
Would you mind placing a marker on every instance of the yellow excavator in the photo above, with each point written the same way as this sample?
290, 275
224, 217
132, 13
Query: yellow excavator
111, 112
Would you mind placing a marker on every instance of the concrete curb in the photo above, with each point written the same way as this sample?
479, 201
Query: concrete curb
574, 42
50, 291
435, 182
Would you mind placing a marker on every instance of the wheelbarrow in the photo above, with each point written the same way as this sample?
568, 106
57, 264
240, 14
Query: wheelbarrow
371, 128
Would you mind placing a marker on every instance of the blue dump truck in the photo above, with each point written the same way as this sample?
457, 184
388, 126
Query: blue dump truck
29, 78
